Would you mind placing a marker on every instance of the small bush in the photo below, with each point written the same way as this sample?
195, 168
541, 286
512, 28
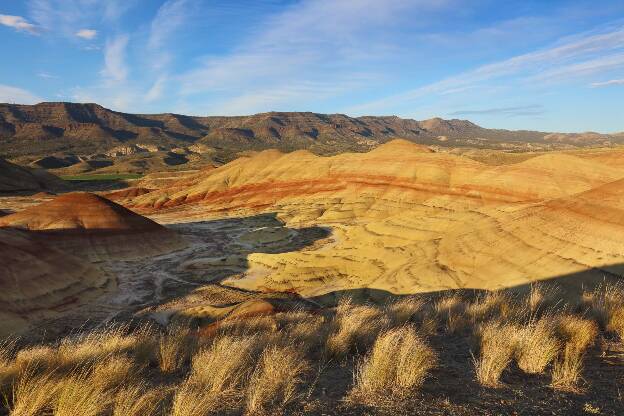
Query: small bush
405, 310
578, 333
452, 310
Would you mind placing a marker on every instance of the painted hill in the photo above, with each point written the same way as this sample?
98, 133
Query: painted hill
94, 226
38, 281
404, 219
62, 134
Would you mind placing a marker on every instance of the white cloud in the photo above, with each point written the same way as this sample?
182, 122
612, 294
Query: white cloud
607, 83
9, 94
18, 23
115, 68
157, 90
170, 17
570, 58
87, 34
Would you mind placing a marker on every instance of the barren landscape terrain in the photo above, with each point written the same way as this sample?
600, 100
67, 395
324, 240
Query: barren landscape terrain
360, 283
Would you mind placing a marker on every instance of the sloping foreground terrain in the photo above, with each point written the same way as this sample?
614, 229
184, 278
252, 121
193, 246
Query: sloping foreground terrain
15, 178
404, 219
300, 289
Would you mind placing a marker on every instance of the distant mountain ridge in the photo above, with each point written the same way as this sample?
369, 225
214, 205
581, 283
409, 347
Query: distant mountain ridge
28, 132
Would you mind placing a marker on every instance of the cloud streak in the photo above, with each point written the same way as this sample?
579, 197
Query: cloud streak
585, 54
115, 68
18, 23
526, 110
87, 34
609, 83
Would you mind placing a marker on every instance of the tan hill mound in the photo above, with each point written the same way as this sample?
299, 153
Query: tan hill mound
38, 281
407, 220
15, 178
95, 226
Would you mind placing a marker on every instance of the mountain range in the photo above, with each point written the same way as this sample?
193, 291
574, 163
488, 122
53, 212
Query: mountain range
57, 135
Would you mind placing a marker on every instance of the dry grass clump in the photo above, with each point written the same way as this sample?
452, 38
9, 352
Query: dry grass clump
452, 310
354, 328
276, 379
81, 395
397, 365
114, 372
497, 345
38, 358
175, 349
137, 400
405, 310
606, 302
492, 305
537, 345
567, 370
33, 394
578, 333
541, 297
305, 330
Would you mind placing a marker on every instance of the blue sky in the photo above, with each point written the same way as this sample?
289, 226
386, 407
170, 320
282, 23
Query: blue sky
533, 64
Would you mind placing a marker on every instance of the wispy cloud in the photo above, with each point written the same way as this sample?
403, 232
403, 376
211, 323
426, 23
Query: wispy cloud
170, 17
584, 54
115, 68
18, 23
87, 34
318, 42
9, 94
46, 75
525, 110
609, 83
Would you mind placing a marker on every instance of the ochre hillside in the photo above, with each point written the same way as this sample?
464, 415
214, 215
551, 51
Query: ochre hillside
405, 219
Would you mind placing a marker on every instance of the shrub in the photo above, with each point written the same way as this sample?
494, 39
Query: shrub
578, 333
567, 370
397, 365
405, 310
451, 309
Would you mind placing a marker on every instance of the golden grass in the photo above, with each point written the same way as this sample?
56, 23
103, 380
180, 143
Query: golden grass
577, 332
33, 394
497, 345
276, 380
536, 345
451, 309
405, 310
354, 328
137, 400
175, 349
397, 365
567, 370
81, 395
541, 297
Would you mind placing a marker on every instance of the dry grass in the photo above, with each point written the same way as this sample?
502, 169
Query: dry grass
33, 394
354, 328
452, 310
537, 345
492, 305
567, 370
541, 297
175, 349
397, 365
137, 400
578, 333
497, 345
81, 395
276, 380
405, 310
114, 372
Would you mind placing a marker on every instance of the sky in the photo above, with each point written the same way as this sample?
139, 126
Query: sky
551, 65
